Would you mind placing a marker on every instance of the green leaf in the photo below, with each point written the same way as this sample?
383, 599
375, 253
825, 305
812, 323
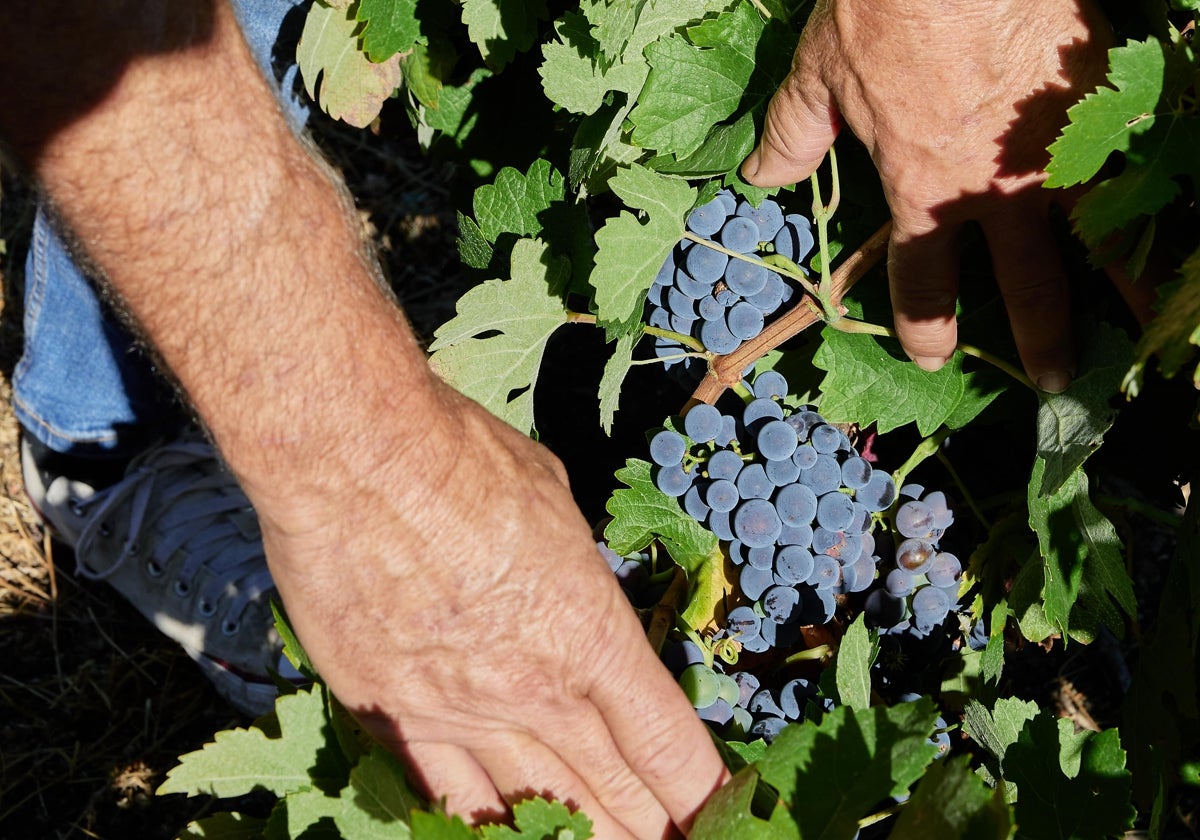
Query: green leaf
502, 28
237, 761
292, 648
516, 202
727, 814
516, 318
993, 654
378, 800
830, 775
724, 149
855, 655
951, 801
537, 819
390, 27
630, 252
711, 584
473, 247
643, 513
869, 380
426, 70
571, 76
455, 114
1175, 331
1069, 785
998, 729
1107, 120
337, 75
615, 370
1083, 564
224, 827
1071, 425
438, 826
697, 81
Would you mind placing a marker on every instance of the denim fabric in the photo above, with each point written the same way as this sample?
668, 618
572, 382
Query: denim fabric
82, 386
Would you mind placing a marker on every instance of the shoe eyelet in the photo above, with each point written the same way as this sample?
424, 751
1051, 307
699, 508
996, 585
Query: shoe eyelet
105, 530
153, 568
132, 549
206, 608
182, 588
229, 628
75, 506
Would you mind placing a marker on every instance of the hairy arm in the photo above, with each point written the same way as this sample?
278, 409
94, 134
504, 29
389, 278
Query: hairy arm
431, 558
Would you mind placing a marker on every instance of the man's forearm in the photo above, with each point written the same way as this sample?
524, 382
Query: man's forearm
227, 241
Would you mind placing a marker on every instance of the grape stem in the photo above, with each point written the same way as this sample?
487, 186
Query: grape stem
820, 653
822, 215
657, 332
880, 816
726, 371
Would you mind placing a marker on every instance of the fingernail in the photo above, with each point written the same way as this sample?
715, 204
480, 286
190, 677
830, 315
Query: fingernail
930, 363
751, 165
1054, 382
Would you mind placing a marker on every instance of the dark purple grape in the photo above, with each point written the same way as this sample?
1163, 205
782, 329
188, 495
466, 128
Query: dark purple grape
771, 296
710, 309
805, 456
770, 384
722, 495
826, 572
716, 337
728, 201
780, 635
824, 476
742, 623
945, 571
673, 480
754, 582
768, 216
739, 234
915, 519
702, 422
746, 278
744, 320
720, 712
693, 503
882, 609
796, 505
793, 563
795, 239
667, 448
707, 219
692, 287
930, 605
724, 463
800, 535
761, 557
864, 573
719, 522
780, 604
879, 493
782, 473
755, 523
835, 511
825, 439
761, 409
856, 472
899, 583
768, 728
915, 556
752, 482
776, 440
705, 265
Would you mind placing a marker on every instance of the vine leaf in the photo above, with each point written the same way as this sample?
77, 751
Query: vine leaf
831, 774
438, 826
537, 819
290, 751
1175, 331
1083, 569
337, 75
455, 114
868, 382
951, 801
502, 28
492, 349
696, 81
1141, 117
641, 513
514, 202
390, 27
615, 370
727, 813
629, 252
856, 654
996, 731
571, 76
1071, 425
711, 584
378, 801
1068, 784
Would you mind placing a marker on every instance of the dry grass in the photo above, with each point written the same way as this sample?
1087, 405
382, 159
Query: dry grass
95, 705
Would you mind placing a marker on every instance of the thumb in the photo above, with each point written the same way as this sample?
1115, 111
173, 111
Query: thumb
802, 122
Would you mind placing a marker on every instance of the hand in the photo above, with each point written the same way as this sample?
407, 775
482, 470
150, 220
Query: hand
469, 622
956, 104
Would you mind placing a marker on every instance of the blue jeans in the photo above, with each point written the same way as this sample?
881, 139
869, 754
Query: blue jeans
83, 386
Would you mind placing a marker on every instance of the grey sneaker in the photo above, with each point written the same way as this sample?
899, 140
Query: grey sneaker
177, 537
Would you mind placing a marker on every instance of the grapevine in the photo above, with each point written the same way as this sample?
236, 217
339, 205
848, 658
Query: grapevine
839, 595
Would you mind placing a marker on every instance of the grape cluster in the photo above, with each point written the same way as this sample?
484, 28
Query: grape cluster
722, 300
921, 588
789, 495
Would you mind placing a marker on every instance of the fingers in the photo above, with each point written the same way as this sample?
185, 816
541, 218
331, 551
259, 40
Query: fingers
450, 772
923, 278
801, 124
1030, 274
670, 750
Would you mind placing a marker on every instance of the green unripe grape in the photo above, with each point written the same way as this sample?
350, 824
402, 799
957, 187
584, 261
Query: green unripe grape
701, 684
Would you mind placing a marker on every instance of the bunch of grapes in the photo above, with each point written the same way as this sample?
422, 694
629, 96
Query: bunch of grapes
722, 300
921, 589
792, 500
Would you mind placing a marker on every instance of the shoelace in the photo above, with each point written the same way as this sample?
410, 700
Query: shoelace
178, 491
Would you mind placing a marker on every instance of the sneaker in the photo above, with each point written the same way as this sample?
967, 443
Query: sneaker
174, 533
